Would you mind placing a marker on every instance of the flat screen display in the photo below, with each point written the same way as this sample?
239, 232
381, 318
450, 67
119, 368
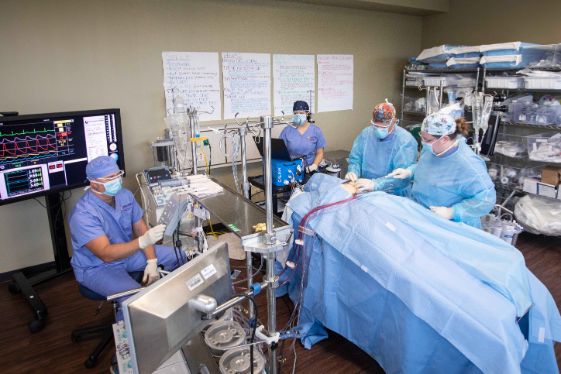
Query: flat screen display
42, 153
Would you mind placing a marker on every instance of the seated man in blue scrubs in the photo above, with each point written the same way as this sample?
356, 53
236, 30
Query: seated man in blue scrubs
109, 237
304, 139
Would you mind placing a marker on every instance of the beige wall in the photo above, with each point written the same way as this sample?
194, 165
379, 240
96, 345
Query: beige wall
82, 54
473, 22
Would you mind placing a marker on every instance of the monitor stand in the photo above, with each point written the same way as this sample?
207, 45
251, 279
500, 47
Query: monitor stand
23, 284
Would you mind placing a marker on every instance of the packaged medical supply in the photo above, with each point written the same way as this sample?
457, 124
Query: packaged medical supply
511, 82
543, 147
511, 146
539, 215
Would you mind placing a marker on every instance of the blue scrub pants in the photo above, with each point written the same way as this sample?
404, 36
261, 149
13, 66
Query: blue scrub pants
110, 279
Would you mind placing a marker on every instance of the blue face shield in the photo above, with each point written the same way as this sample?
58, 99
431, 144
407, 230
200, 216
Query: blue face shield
299, 119
112, 187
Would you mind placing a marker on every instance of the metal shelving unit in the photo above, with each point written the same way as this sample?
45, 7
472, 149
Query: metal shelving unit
504, 127
496, 122
530, 125
415, 116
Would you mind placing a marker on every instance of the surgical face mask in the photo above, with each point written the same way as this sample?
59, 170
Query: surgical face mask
112, 187
426, 146
381, 132
299, 119
430, 146
452, 145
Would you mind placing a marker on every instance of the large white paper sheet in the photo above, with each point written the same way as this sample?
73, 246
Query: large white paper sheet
195, 76
294, 78
247, 84
335, 82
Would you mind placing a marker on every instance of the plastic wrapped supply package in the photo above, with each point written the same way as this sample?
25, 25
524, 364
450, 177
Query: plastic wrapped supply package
504, 82
541, 147
511, 145
463, 62
539, 215
510, 55
541, 80
436, 55
439, 55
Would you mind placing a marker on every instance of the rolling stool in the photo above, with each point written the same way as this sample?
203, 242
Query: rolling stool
105, 330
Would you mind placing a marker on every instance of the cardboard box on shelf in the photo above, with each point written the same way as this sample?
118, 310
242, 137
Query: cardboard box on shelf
551, 175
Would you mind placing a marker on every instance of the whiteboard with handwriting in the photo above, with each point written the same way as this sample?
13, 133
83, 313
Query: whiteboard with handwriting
294, 78
335, 82
247, 84
195, 76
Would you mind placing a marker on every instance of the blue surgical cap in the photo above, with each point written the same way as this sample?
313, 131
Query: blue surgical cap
439, 124
101, 166
300, 105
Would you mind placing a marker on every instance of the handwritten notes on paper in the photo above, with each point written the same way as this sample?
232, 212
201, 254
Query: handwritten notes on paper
193, 77
294, 78
247, 84
335, 82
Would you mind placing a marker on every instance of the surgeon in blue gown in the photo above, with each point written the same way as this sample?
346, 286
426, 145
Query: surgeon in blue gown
379, 149
450, 178
109, 237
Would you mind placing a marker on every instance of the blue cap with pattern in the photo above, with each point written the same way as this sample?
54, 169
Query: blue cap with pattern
300, 105
439, 124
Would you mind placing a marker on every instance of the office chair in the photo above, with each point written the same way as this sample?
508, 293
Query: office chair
104, 330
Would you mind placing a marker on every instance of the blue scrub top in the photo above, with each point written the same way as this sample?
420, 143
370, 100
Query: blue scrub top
457, 180
92, 218
303, 145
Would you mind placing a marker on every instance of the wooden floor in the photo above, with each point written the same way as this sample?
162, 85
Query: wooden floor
51, 351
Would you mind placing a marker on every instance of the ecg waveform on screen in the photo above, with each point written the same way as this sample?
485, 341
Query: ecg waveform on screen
36, 144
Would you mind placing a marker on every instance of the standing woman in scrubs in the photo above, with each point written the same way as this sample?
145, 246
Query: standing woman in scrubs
450, 179
304, 139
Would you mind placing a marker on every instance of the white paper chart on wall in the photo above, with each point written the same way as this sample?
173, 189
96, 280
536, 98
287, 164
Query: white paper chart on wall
335, 82
294, 78
194, 76
247, 84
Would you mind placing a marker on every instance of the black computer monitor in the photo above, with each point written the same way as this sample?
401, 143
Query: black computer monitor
279, 151
44, 153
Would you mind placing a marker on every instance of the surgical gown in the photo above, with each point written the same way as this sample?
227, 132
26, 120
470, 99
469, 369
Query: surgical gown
374, 158
458, 180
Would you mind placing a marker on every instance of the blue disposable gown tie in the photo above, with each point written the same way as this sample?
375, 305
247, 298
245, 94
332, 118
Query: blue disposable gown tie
458, 180
374, 158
